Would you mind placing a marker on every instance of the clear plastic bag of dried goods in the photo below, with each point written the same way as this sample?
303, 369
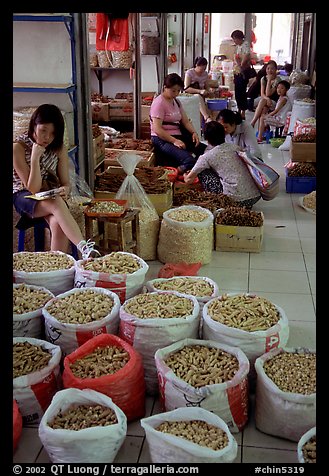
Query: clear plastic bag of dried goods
132, 191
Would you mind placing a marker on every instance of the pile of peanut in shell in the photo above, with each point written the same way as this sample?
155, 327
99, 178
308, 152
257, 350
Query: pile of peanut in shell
309, 450
159, 305
115, 262
293, 372
102, 361
188, 285
79, 417
28, 358
196, 431
199, 365
106, 207
41, 261
242, 311
81, 307
28, 299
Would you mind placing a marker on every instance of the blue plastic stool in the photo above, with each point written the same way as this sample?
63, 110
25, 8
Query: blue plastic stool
39, 225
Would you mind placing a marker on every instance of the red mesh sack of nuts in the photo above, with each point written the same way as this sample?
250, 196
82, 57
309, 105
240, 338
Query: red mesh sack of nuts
17, 424
111, 366
179, 269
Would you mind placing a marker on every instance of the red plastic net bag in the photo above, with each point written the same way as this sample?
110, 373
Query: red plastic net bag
179, 269
125, 386
17, 424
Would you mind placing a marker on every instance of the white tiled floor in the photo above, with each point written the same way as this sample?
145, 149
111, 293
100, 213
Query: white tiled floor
284, 272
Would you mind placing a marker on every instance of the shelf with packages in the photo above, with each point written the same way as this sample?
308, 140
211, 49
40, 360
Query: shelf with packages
99, 74
58, 88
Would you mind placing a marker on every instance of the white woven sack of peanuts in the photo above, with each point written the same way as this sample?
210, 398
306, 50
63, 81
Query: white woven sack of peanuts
124, 284
253, 343
201, 287
57, 280
30, 323
228, 400
147, 335
167, 448
286, 414
34, 391
69, 335
304, 439
97, 444
190, 240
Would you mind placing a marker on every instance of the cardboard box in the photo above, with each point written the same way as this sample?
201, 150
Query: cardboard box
239, 238
147, 158
100, 111
300, 184
98, 149
121, 109
303, 151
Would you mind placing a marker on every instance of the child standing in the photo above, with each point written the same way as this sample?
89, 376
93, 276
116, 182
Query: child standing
276, 118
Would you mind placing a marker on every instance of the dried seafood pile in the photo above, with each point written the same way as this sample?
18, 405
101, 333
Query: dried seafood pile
149, 178
131, 144
209, 200
239, 217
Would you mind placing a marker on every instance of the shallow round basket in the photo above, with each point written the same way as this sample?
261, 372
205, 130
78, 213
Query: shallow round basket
276, 142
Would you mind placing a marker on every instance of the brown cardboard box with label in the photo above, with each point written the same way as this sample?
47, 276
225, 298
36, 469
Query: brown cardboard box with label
303, 151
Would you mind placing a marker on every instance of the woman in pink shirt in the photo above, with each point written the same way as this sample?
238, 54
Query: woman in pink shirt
167, 115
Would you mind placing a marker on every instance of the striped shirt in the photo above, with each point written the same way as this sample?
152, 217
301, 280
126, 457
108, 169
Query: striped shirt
48, 162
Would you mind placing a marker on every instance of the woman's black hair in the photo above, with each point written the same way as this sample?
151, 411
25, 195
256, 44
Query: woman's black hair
285, 83
272, 62
229, 117
214, 133
173, 79
200, 61
237, 34
48, 114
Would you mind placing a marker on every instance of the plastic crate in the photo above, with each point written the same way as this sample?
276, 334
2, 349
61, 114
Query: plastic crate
217, 104
300, 184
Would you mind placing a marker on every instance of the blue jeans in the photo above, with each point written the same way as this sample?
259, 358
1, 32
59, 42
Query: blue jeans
169, 154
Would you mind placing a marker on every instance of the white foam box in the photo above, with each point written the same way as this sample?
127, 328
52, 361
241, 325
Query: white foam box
239, 238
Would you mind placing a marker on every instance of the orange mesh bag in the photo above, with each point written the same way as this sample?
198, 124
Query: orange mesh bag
126, 386
17, 424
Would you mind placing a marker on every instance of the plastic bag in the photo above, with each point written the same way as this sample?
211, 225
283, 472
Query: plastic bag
30, 324
166, 448
70, 336
126, 387
179, 269
97, 444
132, 191
158, 333
33, 392
17, 424
278, 413
304, 439
228, 400
80, 190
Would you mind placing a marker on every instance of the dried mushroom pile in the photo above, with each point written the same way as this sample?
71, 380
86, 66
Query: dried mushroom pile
102, 361
200, 365
149, 178
81, 307
196, 431
195, 287
306, 137
112, 154
106, 207
97, 97
302, 169
248, 313
114, 262
28, 358
27, 299
83, 416
209, 200
309, 450
131, 144
239, 217
41, 261
293, 372
148, 306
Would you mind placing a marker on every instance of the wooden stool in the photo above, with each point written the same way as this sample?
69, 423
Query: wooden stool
106, 244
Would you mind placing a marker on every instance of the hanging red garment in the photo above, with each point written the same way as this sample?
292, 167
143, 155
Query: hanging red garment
111, 33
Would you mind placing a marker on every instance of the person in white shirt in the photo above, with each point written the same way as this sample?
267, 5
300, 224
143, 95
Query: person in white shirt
220, 170
239, 132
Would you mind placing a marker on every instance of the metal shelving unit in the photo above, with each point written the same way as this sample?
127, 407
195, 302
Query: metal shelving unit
69, 89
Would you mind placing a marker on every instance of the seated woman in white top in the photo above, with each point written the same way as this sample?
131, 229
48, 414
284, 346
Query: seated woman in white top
220, 170
195, 83
239, 132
